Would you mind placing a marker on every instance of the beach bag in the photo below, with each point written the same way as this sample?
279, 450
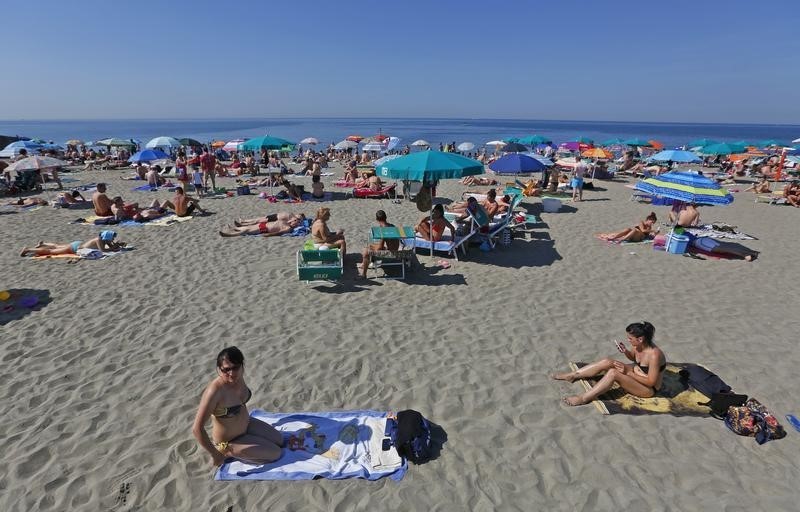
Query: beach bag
413, 439
721, 402
754, 420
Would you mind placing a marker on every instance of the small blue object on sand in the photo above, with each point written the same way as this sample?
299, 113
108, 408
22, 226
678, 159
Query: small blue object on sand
793, 421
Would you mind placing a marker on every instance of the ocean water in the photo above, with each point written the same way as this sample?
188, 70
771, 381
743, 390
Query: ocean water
478, 131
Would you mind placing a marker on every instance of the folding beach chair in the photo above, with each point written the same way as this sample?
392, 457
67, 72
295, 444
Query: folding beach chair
452, 243
319, 265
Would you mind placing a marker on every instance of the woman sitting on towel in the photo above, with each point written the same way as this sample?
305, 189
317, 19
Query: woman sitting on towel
642, 378
432, 228
234, 433
637, 233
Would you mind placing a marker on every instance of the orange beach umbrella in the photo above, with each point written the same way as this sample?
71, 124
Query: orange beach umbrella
217, 144
597, 153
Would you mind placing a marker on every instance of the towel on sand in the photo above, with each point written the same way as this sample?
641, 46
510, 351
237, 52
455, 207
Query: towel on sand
676, 397
334, 445
719, 230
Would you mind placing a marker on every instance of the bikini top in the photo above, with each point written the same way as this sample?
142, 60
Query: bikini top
231, 411
645, 368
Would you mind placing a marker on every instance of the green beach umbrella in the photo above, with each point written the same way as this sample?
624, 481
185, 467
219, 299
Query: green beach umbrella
613, 142
533, 140
583, 140
769, 143
266, 142
701, 143
511, 139
114, 142
637, 142
430, 166
722, 149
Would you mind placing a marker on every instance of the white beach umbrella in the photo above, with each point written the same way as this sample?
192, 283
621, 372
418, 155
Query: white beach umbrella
163, 142
465, 146
796, 141
310, 140
421, 143
496, 143
392, 142
346, 144
374, 146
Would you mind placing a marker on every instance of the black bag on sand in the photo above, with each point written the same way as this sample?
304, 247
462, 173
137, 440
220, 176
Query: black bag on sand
720, 402
413, 439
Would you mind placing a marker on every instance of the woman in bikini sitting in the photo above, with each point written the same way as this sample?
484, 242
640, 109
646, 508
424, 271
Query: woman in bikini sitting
643, 378
234, 432
432, 228
637, 233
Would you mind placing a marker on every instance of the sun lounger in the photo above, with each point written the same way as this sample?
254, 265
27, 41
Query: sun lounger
319, 265
387, 191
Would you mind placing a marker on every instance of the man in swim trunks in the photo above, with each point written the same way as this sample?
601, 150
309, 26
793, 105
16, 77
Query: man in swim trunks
265, 228
182, 204
102, 204
272, 217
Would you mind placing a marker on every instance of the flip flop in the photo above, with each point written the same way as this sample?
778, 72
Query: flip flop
793, 421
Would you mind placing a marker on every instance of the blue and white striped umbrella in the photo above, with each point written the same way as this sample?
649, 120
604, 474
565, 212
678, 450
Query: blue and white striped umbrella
688, 187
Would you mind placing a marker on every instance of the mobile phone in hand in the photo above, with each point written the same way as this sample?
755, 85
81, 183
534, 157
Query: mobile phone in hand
620, 346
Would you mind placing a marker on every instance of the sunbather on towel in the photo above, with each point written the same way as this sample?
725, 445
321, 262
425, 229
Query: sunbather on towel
321, 235
708, 244
272, 217
380, 245
233, 431
103, 242
761, 187
637, 233
266, 228
371, 182
642, 378
477, 180
28, 201
432, 227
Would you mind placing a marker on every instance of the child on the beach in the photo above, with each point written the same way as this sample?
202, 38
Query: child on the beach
197, 181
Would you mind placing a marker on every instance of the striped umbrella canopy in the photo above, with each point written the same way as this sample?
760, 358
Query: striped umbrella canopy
354, 138
688, 187
232, 145
163, 142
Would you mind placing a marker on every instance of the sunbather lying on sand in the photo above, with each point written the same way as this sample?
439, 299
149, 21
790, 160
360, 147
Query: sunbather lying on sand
265, 228
280, 216
103, 242
708, 244
643, 378
28, 201
637, 233
477, 180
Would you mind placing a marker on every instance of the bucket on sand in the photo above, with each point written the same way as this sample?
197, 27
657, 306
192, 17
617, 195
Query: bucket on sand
551, 205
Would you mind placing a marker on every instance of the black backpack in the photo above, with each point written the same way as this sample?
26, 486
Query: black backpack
413, 439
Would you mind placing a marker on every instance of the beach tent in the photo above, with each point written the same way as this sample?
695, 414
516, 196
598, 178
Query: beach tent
163, 142
689, 187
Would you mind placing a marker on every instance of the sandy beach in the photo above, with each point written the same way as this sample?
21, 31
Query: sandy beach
102, 382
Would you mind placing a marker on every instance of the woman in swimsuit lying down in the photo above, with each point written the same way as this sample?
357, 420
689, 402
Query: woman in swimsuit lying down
103, 242
637, 233
642, 378
233, 432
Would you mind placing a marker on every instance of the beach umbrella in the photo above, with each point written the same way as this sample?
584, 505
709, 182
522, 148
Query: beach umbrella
384, 159
392, 142
675, 155
421, 143
656, 144
796, 141
597, 153
232, 145
163, 142
114, 141
354, 138
496, 143
190, 142
513, 147
74, 142
516, 163
532, 140
688, 187
582, 140
310, 140
574, 146
722, 149
465, 146
373, 146
148, 155
613, 142
769, 143
546, 161
33, 163
217, 144
265, 142
346, 144
511, 139
702, 143
430, 166
637, 142
13, 149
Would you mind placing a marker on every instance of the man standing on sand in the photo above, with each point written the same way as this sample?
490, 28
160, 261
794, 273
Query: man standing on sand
577, 178
183, 204
208, 164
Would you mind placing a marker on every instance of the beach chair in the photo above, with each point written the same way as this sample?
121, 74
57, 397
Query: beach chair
452, 243
400, 259
319, 265
501, 223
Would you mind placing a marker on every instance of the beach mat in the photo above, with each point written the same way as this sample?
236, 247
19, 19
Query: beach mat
676, 396
98, 256
148, 188
166, 220
333, 445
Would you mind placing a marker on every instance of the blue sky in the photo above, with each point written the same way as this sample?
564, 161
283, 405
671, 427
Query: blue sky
673, 61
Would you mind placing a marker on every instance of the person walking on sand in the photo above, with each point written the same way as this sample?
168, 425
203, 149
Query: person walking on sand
581, 169
208, 164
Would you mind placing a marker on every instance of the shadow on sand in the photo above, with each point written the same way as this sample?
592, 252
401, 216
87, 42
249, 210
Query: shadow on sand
22, 302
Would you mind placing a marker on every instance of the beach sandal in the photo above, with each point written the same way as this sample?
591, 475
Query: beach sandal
793, 421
